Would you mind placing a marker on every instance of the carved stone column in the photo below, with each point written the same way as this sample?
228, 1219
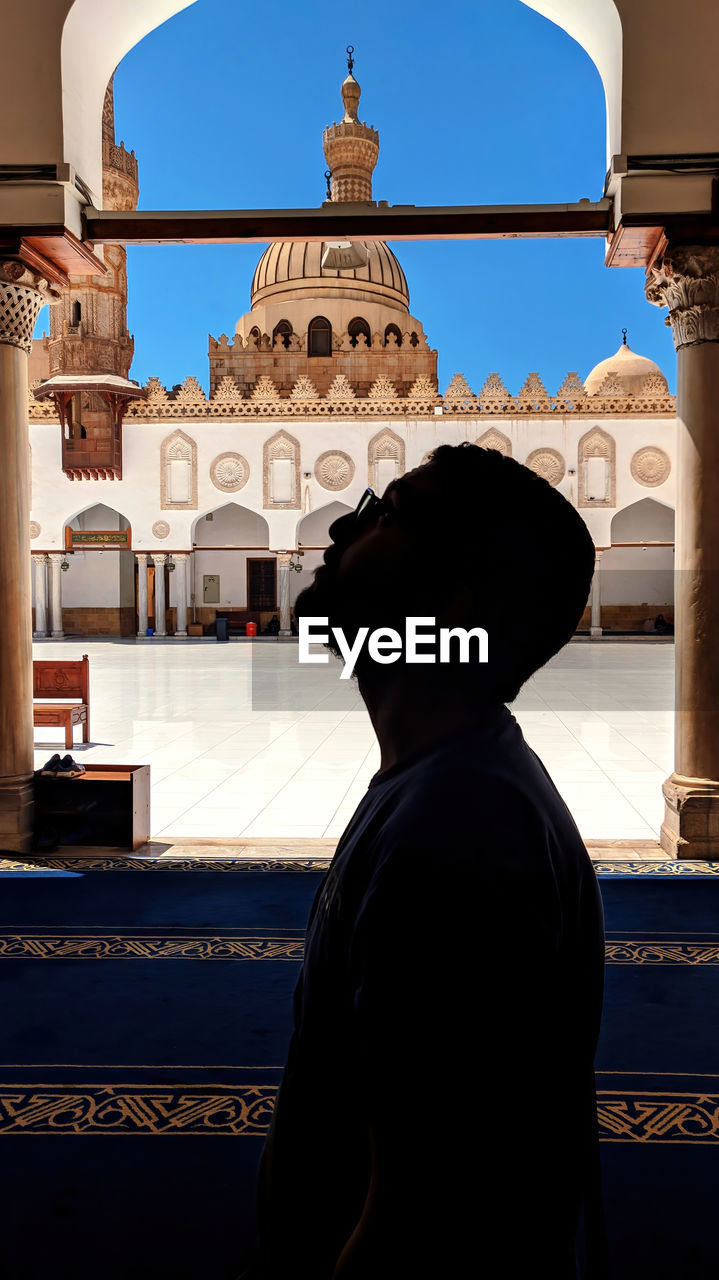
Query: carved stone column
180, 560
595, 626
141, 558
283, 590
40, 566
22, 293
56, 559
160, 561
686, 281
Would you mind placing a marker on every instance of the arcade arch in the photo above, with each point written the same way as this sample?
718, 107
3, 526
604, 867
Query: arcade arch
97, 590
232, 567
637, 570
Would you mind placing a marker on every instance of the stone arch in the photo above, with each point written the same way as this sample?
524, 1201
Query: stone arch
395, 331
313, 529
495, 439
643, 521
231, 525
385, 459
281, 472
178, 472
597, 28
597, 470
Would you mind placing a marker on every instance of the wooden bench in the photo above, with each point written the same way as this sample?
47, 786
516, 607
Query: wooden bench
62, 680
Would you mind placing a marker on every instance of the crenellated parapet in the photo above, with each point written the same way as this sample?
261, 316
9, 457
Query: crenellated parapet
384, 399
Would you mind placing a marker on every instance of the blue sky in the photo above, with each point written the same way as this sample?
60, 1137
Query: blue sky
476, 103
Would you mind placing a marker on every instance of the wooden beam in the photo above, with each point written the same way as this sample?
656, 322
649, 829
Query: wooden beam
349, 221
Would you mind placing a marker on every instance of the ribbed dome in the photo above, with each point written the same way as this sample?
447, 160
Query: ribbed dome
631, 370
288, 271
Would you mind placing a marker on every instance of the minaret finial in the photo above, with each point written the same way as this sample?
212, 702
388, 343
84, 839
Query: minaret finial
624, 337
351, 148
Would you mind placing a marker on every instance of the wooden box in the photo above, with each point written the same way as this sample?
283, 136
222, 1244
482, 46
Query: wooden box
108, 806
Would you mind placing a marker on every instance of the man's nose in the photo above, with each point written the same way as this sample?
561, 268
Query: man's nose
342, 528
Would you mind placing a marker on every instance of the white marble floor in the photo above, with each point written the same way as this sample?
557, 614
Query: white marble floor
242, 742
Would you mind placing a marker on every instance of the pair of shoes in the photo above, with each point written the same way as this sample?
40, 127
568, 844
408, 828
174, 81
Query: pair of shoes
65, 768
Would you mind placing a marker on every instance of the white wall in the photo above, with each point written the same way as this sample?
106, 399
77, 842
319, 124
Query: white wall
637, 575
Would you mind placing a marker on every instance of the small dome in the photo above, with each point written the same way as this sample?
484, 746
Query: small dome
289, 271
630, 370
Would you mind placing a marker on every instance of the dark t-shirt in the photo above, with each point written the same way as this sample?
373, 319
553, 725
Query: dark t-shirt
445, 1023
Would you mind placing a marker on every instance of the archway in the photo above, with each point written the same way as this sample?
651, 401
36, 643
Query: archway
98, 586
637, 571
233, 571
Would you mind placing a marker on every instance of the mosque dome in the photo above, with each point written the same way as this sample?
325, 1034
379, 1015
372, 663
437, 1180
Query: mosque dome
288, 272
628, 373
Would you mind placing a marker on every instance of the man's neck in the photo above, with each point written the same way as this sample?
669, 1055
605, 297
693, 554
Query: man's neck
410, 711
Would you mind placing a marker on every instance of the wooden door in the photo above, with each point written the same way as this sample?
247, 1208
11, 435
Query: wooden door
261, 584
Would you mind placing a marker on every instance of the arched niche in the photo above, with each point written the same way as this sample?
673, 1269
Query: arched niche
385, 459
231, 525
178, 473
313, 529
597, 471
281, 472
495, 439
642, 522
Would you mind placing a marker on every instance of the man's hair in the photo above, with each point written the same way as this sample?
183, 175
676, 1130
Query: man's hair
525, 553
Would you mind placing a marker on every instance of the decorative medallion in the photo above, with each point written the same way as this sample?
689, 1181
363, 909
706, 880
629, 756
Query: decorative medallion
229, 472
650, 466
334, 470
160, 529
35, 529
547, 463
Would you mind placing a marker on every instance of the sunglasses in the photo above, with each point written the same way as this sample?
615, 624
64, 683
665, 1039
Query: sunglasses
368, 503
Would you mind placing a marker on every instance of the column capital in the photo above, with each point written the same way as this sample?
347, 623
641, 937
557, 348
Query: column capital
159, 557
180, 556
39, 557
686, 280
283, 558
22, 293
141, 555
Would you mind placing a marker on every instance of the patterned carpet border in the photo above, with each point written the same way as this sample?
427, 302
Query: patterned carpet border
646, 1116
137, 1110
106, 945
604, 867
165, 864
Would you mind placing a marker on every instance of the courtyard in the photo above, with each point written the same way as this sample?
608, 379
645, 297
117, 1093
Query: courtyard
242, 741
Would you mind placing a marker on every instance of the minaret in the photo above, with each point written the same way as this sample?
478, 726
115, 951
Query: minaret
351, 148
88, 329
89, 342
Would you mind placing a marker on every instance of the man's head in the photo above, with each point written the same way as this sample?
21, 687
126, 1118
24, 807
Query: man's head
473, 539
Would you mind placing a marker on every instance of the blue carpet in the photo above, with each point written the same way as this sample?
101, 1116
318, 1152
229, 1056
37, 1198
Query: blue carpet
143, 1002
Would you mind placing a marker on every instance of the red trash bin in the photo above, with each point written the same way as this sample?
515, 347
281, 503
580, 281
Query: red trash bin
251, 629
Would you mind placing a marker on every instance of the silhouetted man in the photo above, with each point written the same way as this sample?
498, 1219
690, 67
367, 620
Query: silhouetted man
437, 1110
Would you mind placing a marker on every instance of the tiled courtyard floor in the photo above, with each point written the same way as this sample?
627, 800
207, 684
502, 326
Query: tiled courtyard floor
242, 743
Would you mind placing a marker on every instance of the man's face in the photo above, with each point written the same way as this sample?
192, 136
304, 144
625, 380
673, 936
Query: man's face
376, 571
